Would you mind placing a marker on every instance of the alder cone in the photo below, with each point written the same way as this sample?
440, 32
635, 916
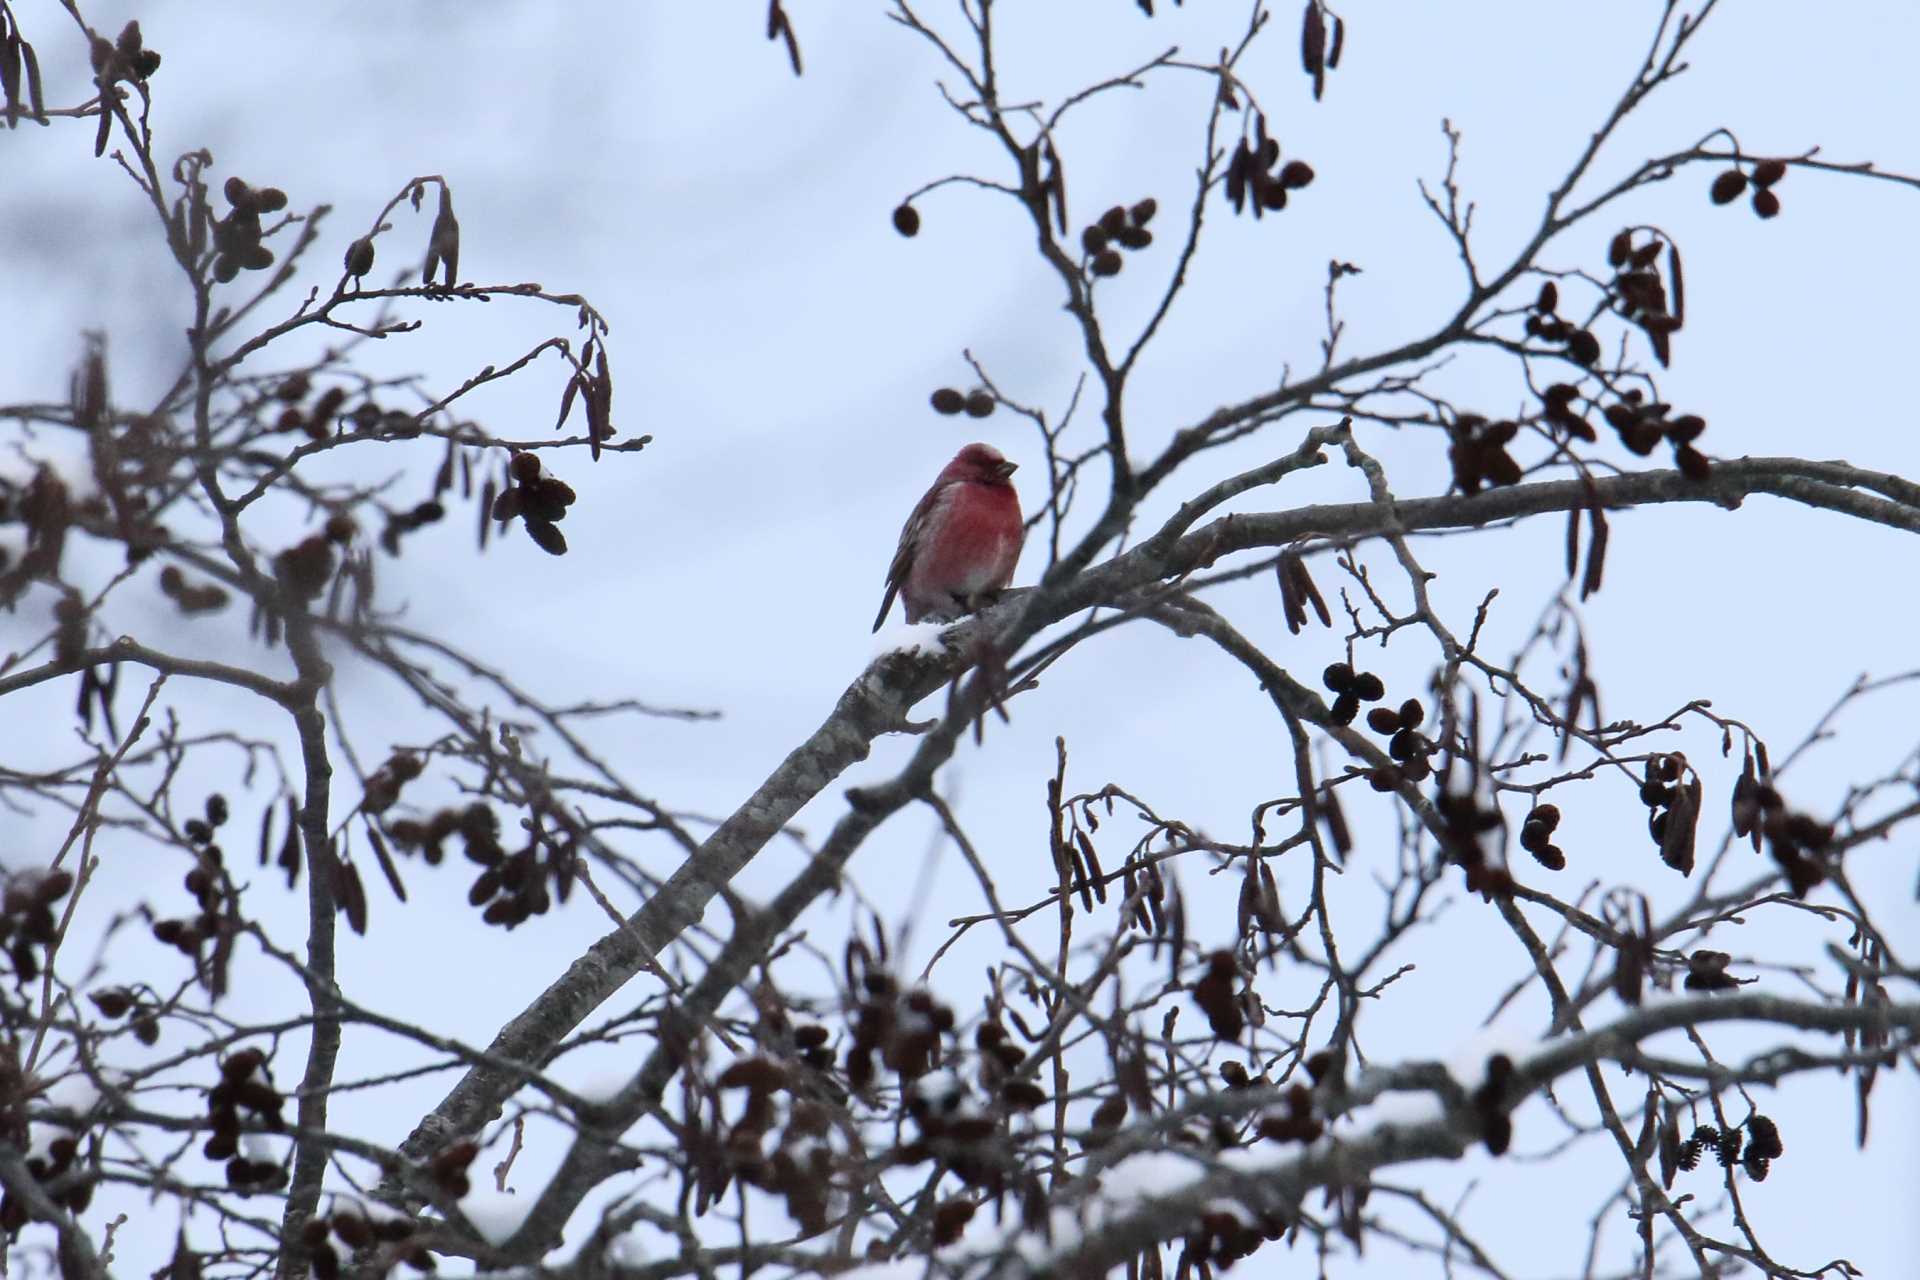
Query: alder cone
1728, 187
548, 538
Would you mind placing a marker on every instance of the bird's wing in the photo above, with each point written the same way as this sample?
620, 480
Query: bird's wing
911, 536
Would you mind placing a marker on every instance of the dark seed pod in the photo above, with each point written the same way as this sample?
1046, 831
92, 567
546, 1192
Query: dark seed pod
906, 220
1550, 856
948, 401
1768, 172
950, 1219
1093, 240
1549, 301
1546, 816
1619, 248
1641, 437
359, 257
979, 404
1765, 1140
1368, 687
352, 1229
1134, 237
1584, 347
1728, 187
551, 492
1142, 213
238, 193
269, 200
1338, 677
1686, 428
1765, 203
1106, 263
1237, 171
1383, 720
1113, 221
112, 1002
546, 537
1272, 195
1023, 1095
1345, 708
1296, 174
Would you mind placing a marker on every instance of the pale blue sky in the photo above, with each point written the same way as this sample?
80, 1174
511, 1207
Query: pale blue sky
779, 341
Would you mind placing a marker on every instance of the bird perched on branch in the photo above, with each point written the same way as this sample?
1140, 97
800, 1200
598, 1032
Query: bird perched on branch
962, 541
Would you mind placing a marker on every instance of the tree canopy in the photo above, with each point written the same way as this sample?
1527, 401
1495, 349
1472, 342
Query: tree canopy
1419, 804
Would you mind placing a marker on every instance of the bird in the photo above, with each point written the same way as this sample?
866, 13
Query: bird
961, 543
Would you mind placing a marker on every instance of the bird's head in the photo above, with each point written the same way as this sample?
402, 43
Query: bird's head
980, 463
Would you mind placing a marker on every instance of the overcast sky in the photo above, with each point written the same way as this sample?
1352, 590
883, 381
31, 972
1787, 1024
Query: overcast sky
779, 341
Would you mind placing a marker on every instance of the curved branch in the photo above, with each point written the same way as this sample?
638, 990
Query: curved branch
1281, 1185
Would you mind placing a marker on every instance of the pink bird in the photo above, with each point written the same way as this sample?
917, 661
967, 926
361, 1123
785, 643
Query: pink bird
962, 541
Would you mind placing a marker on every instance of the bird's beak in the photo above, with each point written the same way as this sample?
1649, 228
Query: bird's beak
1004, 469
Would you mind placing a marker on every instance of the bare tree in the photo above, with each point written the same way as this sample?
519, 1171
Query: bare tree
1119, 1087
